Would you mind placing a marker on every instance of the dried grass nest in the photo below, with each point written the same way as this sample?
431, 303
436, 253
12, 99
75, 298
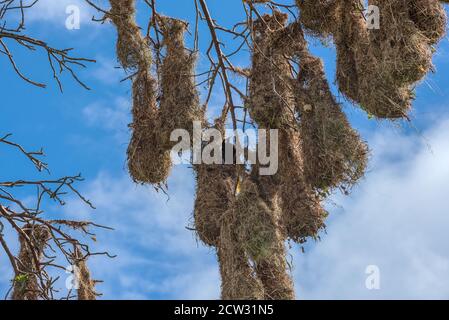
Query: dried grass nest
378, 69
333, 153
26, 286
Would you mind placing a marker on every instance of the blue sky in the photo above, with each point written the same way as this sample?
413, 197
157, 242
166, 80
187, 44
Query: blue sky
396, 219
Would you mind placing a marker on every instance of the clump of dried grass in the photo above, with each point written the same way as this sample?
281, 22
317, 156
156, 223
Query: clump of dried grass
430, 18
258, 218
274, 274
272, 105
215, 186
238, 278
132, 48
378, 68
148, 159
32, 245
86, 286
318, 16
256, 223
179, 104
302, 214
351, 31
333, 153
270, 85
402, 50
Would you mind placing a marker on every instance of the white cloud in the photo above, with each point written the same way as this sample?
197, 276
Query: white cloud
397, 219
157, 256
107, 72
55, 11
113, 116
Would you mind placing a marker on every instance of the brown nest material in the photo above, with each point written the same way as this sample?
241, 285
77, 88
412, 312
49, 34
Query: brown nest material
149, 160
215, 190
179, 104
430, 18
360, 74
238, 278
132, 48
32, 245
351, 31
318, 16
400, 48
270, 92
86, 286
274, 274
398, 56
334, 154
259, 233
302, 214
256, 223
378, 68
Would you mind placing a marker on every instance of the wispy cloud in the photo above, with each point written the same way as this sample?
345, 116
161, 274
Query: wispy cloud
397, 219
54, 11
157, 256
112, 116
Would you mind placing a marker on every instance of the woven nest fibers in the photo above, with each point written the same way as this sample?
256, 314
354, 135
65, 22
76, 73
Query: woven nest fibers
302, 214
360, 74
270, 92
256, 224
274, 274
132, 48
350, 33
148, 160
179, 104
26, 283
402, 50
378, 68
430, 18
318, 16
257, 217
86, 289
238, 279
333, 153
214, 195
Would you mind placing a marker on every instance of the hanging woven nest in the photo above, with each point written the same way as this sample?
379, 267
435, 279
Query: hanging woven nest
32, 244
258, 216
333, 153
86, 286
215, 191
274, 274
148, 155
238, 278
132, 49
256, 223
378, 68
149, 159
270, 97
302, 214
179, 103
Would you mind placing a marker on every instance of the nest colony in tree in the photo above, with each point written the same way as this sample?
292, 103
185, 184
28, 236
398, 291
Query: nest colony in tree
319, 151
